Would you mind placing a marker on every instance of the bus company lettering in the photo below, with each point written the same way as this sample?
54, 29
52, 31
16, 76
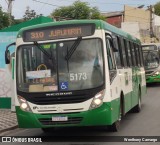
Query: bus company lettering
65, 32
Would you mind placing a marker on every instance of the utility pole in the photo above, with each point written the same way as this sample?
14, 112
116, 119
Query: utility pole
151, 25
10, 11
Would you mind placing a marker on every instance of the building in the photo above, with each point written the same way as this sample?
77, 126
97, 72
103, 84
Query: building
114, 18
136, 21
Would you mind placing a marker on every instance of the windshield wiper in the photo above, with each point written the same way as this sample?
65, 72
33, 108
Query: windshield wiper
42, 49
73, 48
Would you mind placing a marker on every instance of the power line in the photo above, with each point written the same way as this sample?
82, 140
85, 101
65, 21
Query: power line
43, 6
107, 2
91, 2
46, 3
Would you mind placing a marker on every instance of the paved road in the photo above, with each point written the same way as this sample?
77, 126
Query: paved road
145, 123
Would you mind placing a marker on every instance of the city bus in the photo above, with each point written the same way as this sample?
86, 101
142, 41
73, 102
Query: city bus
76, 73
151, 54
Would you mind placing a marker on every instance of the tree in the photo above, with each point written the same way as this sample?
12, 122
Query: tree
4, 19
78, 10
157, 8
30, 14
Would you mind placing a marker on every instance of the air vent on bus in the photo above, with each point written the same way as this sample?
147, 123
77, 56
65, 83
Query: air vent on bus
65, 110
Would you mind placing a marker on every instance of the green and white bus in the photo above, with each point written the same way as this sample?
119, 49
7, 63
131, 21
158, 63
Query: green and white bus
76, 73
151, 54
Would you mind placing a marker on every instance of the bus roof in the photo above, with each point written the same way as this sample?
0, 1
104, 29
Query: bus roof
99, 25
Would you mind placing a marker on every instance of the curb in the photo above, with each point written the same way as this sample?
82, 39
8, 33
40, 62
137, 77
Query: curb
8, 129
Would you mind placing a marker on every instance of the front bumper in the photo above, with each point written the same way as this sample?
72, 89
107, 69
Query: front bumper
95, 117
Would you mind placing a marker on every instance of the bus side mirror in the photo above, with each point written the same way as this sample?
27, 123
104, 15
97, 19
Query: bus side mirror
7, 53
7, 57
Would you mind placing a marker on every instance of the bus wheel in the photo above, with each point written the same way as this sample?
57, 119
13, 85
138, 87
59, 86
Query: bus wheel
138, 107
116, 125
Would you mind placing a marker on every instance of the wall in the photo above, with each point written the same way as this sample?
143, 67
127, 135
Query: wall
5, 71
131, 28
156, 20
7, 36
132, 14
115, 21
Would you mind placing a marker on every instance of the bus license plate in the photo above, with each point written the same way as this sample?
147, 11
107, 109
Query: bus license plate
60, 118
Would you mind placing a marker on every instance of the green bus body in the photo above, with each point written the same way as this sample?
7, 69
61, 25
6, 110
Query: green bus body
152, 74
109, 111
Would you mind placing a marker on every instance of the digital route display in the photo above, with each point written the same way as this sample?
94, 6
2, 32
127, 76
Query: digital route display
58, 32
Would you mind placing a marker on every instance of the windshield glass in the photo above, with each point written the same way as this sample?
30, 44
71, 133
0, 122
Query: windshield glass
151, 59
38, 72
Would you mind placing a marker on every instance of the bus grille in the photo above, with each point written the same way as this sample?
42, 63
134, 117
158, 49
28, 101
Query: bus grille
71, 120
47, 100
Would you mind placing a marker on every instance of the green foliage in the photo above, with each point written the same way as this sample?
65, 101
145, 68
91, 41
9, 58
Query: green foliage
157, 8
96, 14
78, 10
30, 14
4, 19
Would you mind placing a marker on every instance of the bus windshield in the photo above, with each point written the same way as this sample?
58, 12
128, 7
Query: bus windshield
151, 59
37, 72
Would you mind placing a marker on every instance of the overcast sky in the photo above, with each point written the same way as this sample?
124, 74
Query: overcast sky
19, 6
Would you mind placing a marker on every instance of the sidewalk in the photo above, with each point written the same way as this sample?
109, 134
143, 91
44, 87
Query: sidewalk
8, 120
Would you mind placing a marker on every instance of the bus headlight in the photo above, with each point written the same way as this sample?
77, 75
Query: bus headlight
156, 73
97, 100
23, 104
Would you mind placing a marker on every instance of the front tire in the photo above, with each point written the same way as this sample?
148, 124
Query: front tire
116, 125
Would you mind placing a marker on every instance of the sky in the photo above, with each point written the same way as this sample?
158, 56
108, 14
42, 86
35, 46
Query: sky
40, 6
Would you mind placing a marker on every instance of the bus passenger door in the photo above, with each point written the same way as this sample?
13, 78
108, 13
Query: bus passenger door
114, 80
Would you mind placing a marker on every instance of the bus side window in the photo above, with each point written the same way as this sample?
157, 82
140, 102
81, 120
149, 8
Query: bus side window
126, 52
141, 55
137, 54
110, 55
133, 54
123, 52
118, 55
129, 54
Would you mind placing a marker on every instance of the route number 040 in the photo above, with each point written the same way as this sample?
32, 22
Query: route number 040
77, 76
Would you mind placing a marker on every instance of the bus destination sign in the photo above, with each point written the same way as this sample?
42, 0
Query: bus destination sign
149, 47
58, 32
